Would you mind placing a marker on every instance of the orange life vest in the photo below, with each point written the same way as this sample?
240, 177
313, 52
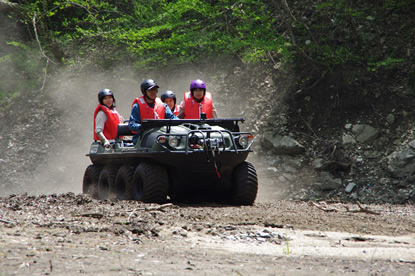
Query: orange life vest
147, 112
111, 125
193, 109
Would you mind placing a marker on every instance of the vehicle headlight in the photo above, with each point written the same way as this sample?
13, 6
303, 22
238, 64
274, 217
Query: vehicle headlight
173, 142
245, 140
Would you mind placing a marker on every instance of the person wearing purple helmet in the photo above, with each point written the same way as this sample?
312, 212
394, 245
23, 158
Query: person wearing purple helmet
197, 102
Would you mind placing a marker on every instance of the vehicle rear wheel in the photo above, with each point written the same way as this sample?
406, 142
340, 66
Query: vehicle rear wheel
150, 183
90, 181
245, 184
124, 183
106, 182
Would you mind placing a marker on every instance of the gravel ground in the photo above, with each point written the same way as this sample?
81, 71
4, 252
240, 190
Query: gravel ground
71, 234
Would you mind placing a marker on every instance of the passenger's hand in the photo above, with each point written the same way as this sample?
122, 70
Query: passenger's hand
107, 144
103, 139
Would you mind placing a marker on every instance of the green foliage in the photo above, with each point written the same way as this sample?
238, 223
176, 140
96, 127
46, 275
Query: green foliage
152, 33
157, 32
286, 249
397, 6
21, 69
387, 63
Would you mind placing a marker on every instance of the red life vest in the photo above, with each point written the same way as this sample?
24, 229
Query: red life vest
193, 109
147, 112
111, 125
176, 110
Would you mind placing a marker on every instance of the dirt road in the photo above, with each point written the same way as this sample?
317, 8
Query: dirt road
72, 234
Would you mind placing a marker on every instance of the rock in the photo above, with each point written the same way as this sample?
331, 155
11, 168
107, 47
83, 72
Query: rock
318, 164
365, 133
403, 195
289, 169
282, 144
371, 154
350, 187
283, 120
264, 235
273, 169
402, 163
286, 177
390, 118
327, 183
348, 139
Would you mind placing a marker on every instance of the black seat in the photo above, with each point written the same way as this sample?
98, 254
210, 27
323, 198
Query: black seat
123, 130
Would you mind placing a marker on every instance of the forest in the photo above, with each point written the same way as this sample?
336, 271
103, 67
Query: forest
317, 37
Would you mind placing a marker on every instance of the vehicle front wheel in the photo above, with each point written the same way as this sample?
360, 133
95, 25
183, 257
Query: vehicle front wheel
245, 184
150, 183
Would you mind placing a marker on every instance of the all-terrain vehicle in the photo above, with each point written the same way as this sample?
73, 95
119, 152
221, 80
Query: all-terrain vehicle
177, 159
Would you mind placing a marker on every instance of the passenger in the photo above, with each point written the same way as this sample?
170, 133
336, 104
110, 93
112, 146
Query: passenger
196, 102
147, 106
168, 97
106, 118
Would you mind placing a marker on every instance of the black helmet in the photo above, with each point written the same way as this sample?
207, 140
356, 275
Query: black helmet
167, 95
105, 92
147, 85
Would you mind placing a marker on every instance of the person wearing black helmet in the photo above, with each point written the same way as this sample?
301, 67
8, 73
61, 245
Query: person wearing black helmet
147, 106
106, 118
168, 97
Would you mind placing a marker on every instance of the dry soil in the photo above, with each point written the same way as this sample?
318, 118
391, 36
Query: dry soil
71, 234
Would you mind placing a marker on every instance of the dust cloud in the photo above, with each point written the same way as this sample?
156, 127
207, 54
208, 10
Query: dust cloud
75, 94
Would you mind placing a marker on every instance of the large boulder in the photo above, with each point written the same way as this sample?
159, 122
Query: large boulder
402, 163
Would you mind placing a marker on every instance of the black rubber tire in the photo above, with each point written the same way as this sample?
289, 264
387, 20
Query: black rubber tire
124, 183
245, 184
90, 181
106, 182
150, 183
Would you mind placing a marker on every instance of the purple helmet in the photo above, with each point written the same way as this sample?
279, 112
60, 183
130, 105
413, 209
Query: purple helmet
197, 84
